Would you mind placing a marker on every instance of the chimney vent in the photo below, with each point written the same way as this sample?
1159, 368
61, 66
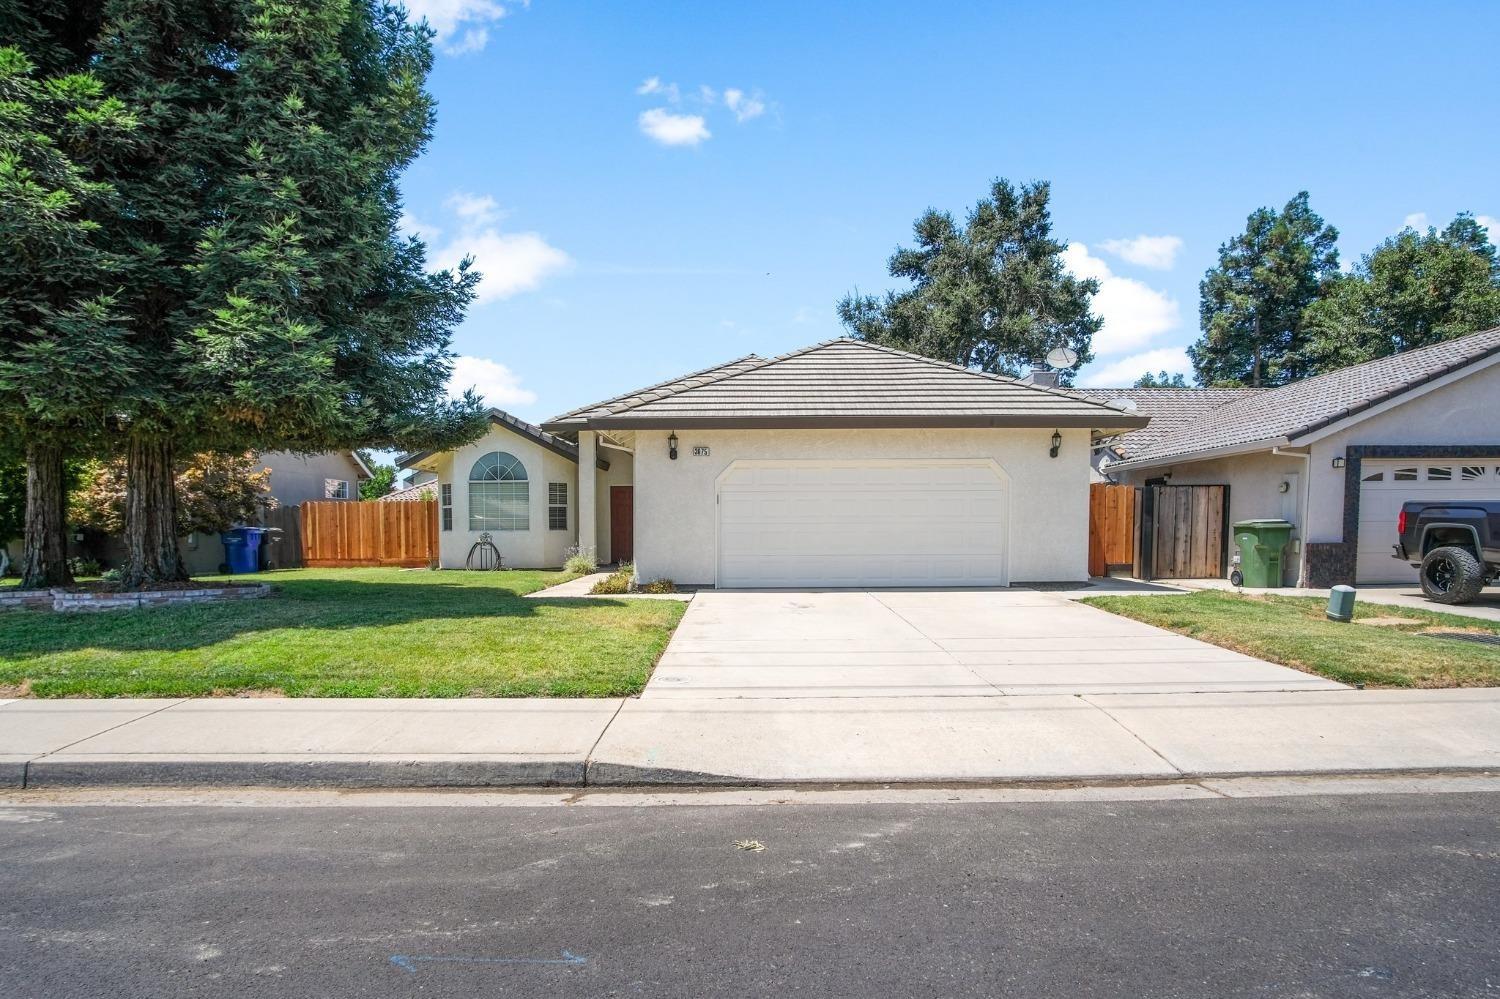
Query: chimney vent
1045, 377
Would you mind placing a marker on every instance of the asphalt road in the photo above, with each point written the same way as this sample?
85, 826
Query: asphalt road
1378, 895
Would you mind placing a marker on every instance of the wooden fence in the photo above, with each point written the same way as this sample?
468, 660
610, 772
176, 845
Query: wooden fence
1187, 531
1112, 530
351, 533
285, 551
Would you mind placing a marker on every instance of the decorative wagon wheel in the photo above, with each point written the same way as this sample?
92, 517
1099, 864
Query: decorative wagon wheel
484, 556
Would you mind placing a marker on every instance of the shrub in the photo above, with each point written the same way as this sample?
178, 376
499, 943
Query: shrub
616, 582
580, 561
82, 565
657, 586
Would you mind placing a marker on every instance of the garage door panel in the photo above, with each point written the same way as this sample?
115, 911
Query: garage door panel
1386, 484
912, 523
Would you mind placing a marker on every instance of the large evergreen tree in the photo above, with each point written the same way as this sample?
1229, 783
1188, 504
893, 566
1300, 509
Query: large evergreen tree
990, 294
266, 294
63, 352
1253, 302
1413, 290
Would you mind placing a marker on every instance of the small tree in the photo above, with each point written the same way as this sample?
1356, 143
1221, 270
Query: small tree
213, 492
1161, 380
382, 479
1413, 290
1253, 301
991, 294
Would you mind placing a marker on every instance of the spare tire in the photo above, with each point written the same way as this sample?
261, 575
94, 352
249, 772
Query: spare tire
1451, 575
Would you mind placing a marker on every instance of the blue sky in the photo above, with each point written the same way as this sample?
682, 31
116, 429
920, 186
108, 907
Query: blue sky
633, 230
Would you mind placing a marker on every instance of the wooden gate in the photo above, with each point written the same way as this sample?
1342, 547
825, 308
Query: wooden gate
1184, 532
347, 534
285, 551
1112, 531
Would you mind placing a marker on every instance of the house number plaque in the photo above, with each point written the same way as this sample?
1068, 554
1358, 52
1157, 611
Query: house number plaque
701, 452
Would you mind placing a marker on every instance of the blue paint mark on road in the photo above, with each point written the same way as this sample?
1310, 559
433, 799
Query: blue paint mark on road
409, 963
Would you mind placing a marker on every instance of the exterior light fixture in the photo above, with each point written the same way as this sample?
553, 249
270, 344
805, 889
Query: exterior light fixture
1338, 463
672, 445
1056, 442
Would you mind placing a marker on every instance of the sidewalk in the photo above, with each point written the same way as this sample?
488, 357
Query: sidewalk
573, 743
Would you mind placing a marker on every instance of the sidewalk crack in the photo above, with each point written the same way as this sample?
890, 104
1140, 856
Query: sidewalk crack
936, 644
588, 758
1134, 735
102, 731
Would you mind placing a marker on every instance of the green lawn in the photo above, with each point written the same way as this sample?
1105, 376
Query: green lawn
348, 633
1294, 631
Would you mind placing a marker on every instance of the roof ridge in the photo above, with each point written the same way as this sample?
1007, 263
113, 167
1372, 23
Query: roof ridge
650, 388
764, 361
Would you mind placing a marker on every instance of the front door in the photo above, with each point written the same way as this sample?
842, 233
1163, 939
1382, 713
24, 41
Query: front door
621, 523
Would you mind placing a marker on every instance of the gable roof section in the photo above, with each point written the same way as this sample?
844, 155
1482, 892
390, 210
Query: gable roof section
1169, 409
500, 418
578, 418
1307, 406
850, 383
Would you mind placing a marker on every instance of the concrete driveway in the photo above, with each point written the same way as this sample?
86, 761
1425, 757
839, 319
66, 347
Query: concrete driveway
924, 643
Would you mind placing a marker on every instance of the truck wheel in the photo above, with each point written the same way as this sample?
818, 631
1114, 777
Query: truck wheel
1451, 575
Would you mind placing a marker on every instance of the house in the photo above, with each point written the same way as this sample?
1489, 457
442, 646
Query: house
1336, 455
841, 464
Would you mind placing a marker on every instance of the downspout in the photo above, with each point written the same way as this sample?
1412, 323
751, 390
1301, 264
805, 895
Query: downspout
1303, 509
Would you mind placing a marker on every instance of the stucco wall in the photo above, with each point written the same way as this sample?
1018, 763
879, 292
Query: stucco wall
675, 501
297, 478
1466, 411
535, 548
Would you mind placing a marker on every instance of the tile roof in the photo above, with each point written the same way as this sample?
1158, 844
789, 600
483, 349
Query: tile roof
410, 494
580, 417
1304, 407
500, 417
1169, 409
851, 383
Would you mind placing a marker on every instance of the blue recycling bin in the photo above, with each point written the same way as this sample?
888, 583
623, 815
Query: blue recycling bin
242, 549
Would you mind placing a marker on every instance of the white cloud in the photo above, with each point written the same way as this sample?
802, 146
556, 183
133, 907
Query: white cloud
510, 262
460, 24
1156, 252
1492, 224
653, 86
1133, 312
674, 129
410, 225
1124, 372
499, 385
744, 107
1416, 220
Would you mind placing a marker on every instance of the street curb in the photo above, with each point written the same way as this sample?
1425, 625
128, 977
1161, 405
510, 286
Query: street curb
52, 772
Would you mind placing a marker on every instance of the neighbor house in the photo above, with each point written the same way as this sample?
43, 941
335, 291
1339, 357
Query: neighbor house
842, 464
1336, 455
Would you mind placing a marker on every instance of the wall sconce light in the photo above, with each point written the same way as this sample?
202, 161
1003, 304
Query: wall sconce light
1056, 442
1338, 463
672, 445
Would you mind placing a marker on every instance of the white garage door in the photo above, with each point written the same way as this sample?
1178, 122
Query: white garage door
888, 523
1387, 483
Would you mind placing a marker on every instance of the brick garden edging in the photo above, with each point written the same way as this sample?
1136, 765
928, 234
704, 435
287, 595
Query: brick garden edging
87, 601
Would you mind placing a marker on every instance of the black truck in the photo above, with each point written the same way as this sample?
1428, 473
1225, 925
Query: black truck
1455, 545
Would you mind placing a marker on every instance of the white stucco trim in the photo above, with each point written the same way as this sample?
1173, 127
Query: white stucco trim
1131, 465
740, 463
1400, 399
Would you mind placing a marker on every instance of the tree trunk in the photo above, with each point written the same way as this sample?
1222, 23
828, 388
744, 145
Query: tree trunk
151, 554
45, 562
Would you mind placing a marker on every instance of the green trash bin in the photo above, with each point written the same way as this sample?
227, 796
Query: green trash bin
1261, 543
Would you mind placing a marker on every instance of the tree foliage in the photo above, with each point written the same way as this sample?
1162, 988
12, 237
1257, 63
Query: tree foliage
382, 478
1161, 380
1413, 290
1253, 302
265, 297
214, 493
991, 293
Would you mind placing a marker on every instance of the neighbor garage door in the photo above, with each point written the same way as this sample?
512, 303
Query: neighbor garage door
1387, 483
887, 523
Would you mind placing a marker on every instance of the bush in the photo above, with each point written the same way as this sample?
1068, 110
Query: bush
657, 586
580, 561
82, 565
616, 582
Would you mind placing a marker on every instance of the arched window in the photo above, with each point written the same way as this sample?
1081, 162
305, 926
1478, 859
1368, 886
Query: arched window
499, 495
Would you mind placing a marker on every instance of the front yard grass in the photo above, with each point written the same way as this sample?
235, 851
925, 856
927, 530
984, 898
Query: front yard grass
1293, 631
348, 633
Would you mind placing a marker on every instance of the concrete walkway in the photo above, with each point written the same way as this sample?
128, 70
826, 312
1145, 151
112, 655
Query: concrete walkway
938, 643
500, 743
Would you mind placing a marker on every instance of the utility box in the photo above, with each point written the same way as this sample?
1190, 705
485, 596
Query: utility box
1261, 543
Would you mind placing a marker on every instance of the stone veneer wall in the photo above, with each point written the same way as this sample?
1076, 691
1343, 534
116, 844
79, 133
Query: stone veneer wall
1330, 563
75, 602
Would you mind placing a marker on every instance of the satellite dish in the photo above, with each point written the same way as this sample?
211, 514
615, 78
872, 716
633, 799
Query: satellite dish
1062, 357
